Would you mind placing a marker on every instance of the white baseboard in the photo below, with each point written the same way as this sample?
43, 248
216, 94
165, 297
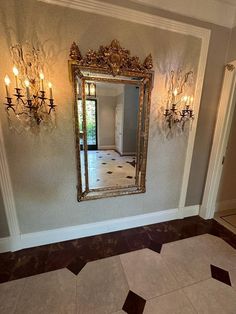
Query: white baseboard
128, 154
224, 205
105, 147
74, 232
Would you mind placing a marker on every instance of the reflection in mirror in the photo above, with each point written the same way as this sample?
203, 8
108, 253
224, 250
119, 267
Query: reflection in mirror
111, 122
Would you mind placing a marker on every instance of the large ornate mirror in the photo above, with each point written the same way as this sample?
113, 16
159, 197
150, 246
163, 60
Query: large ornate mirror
112, 103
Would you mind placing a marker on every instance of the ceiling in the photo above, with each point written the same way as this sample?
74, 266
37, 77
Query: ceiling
232, 2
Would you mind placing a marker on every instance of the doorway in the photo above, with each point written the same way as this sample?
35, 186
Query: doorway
91, 121
220, 148
225, 212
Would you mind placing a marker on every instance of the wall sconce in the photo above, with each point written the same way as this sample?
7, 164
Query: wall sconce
179, 105
28, 107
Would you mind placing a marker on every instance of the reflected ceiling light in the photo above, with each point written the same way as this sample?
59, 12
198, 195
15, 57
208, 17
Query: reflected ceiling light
90, 89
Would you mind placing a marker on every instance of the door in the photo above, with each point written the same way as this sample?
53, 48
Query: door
91, 122
119, 127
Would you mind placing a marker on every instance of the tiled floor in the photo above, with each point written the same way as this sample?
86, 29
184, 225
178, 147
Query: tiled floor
185, 277
107, 168
227, 218
181, 266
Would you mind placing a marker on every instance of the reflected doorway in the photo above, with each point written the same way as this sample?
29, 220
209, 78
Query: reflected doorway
91, 122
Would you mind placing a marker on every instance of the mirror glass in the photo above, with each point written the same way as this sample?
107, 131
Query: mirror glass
111, 135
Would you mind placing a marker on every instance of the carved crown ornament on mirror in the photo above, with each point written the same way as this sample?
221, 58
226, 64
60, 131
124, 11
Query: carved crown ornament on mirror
112, 92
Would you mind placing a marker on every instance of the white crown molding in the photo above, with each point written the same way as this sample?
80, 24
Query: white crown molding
111, 10
212, 11
7, 192
75, 232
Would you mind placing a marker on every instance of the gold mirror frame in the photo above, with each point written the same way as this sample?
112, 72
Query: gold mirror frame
114, 64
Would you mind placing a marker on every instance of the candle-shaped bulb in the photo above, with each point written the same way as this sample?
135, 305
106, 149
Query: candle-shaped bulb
50, 90
185, 98
27, 83
7, 80
7, 83
175, 92
191, 102
41, 76
15, 71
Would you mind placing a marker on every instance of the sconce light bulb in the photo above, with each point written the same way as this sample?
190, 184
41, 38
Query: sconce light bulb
41, 75
15, 71
185, 98
27, 83
191, 99
49, 84
7, 80
175, 92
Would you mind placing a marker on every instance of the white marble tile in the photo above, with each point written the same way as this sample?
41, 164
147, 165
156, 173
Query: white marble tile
101, 287
211, 296
98, 176
190, 259
9, 295
49, 293
232, 275
173, 303
147, 274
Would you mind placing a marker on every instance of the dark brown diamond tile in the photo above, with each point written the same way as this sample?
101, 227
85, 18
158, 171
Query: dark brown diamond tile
220, 275
109, 172
155, 246
134, 304
76, 266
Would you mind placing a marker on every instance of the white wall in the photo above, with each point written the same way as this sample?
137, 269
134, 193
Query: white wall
106, 122
131, 106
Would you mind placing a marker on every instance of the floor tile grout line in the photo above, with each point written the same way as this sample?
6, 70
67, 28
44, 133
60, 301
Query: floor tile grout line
124, 273
193, 307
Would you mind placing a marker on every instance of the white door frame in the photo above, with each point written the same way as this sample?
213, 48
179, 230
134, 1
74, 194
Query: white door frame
220, 141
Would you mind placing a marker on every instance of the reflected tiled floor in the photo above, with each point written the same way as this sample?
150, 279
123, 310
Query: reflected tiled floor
148, 267
142, 281
107, 168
